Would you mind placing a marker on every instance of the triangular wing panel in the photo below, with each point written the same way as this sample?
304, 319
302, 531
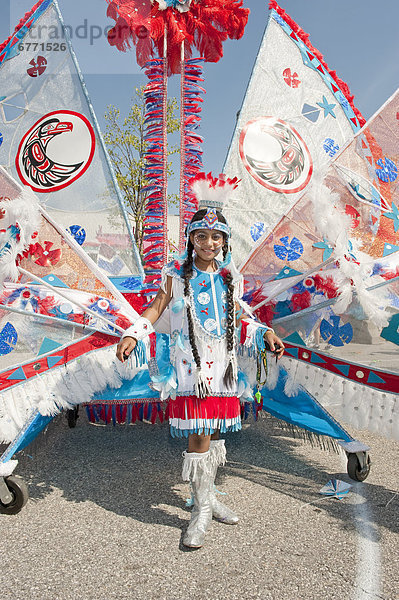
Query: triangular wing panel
295, 116
52, 143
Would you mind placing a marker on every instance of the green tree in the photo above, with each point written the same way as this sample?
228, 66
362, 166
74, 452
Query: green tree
126, 147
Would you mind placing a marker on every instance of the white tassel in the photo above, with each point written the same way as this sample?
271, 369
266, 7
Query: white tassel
201, 386
218, 452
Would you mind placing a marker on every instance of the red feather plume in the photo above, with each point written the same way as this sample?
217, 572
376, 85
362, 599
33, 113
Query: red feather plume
204, 27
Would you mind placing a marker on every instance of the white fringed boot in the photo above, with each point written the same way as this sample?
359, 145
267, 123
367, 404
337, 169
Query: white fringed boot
197, 470
218, 457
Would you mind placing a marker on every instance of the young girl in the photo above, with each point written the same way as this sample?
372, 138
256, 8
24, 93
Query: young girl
203, 291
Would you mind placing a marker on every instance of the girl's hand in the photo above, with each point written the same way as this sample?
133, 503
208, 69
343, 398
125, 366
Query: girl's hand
275, 344
125, 348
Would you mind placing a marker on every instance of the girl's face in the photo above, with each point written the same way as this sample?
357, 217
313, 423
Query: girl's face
207, 243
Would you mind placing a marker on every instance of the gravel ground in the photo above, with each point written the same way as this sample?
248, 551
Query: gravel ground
107, 512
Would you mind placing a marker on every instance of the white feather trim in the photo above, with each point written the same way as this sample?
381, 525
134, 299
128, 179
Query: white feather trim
61, 387
23, 210
353, 277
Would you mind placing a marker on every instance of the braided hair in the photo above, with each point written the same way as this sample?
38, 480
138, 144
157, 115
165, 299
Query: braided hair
187, 267
228, 378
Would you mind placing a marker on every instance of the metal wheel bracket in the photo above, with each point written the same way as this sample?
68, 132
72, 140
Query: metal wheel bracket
363, 458
6, 496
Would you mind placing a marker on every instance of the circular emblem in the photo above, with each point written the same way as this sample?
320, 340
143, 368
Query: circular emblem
203, 298
275, 155
103, 304
210, 325
66, 308
56, 151
39, 65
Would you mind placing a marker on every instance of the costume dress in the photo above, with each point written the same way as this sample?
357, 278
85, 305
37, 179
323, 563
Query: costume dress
208, 302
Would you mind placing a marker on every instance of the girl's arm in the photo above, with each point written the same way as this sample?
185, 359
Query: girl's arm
152, 313
275, 344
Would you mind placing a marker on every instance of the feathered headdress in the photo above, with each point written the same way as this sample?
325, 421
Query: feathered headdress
211, 194
213, 191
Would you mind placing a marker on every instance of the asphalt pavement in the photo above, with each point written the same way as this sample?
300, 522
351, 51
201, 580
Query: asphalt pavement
107, 512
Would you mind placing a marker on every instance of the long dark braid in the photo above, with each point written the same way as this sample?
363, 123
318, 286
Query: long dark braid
187, 274
228, 378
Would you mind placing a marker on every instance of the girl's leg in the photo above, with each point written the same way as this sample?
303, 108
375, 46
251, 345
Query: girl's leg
198, 443
197, 470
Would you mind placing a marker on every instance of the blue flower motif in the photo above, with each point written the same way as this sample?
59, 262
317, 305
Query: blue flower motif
257, 230
78, 233
388, 171
290, 250
330, 147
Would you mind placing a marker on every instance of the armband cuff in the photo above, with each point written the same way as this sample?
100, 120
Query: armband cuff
140, 329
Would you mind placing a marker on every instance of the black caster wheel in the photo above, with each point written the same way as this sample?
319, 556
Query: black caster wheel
358, 469
72, 416
20, 495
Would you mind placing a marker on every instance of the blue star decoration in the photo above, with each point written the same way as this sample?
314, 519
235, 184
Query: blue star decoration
328, 108
394, 215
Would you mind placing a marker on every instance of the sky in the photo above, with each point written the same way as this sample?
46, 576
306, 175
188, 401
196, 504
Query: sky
358, 38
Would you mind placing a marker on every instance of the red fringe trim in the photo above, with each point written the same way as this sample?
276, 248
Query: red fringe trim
20, 25
213, 407
305, 38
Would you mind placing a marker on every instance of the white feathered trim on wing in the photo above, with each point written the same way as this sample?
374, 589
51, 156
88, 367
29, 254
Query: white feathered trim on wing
62, 387
20, 219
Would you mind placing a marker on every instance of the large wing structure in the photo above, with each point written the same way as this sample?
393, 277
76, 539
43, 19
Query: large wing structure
61, 302
328, 276
51, 142
60, 317
295, 116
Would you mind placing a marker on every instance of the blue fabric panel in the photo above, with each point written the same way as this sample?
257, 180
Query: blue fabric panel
138, 387
301, 410
26, 436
